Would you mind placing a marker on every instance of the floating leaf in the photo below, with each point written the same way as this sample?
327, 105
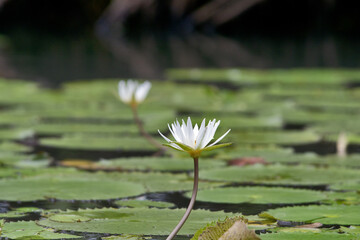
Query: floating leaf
259, 195
332, 214
305, 236
280, 174
274, 137
144, 204
37, 189
149, 221
102, 142
30, 230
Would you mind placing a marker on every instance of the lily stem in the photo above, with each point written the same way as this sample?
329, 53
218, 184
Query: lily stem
141, 128
192, 201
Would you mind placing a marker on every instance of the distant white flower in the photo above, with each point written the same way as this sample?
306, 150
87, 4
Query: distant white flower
194, 140
131, 92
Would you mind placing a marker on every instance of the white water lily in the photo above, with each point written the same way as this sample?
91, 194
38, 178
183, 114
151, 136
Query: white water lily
131, 92
194, 140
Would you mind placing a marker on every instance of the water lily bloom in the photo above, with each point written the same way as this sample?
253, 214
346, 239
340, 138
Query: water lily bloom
194, 140
133, 93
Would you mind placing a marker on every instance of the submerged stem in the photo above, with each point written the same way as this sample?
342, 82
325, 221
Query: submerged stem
141, 128
192, 201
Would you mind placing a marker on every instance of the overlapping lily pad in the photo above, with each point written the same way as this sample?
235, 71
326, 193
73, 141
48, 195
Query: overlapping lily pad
158, 164
149, 221
280, 174
326, 214
67, 189
99, 142
30, 230
261, 195
306, 236
144, 204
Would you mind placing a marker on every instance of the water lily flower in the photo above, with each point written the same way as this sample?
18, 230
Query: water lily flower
133, 93
194, 140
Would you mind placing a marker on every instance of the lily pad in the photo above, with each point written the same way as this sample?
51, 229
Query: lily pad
274, 137
143, 203
325, 214
30, 230
15, 134
305, 236
68, 189
159, 164
280, 174
149, 221
259, 195
99, 142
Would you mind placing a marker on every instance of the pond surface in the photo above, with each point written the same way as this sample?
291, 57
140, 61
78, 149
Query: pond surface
73, 162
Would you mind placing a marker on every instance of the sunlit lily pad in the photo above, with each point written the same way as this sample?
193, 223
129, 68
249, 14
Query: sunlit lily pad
326, 214
351, 185
305, 236
159, 164
13, 147
68, 189
274, 137
102, 142
262, 195
30, 230
280, 174
15, 134
144, 204
149, 221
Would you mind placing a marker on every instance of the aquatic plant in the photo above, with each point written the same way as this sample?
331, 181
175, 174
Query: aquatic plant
193, 141
133, 93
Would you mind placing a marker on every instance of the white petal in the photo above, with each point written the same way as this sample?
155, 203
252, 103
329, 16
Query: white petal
168, 140
196, 131
190, 133
219, 139
200, 135
142, 91
208, 134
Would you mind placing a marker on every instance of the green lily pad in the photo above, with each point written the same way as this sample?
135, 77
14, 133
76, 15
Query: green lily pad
37, 189
305, 236
350, 185
13, 147
274, 137
280, 174
149, 221
99, 142
143, 203
159, 164
259, 195
15, 134
30, 230
325, 214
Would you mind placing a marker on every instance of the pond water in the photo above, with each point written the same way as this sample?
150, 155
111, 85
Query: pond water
72, 159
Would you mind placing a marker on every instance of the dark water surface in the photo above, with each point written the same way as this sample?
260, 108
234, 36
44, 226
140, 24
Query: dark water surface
51, 59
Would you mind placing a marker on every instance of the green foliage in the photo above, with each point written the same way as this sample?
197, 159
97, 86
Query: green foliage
261, 195
143, 204
149, 221
159, 164
70, 189
281, 174
326, 214
30, 230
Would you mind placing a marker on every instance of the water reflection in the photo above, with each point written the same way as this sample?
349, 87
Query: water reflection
52, 60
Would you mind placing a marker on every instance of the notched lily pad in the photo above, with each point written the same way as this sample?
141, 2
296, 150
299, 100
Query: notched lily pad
67, 189
30, 230
149, 221
325, 214
143, 204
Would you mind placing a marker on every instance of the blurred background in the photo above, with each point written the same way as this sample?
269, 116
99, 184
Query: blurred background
56, 41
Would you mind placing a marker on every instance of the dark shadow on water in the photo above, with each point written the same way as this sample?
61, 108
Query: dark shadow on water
180, 201
323, 148
62, 153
